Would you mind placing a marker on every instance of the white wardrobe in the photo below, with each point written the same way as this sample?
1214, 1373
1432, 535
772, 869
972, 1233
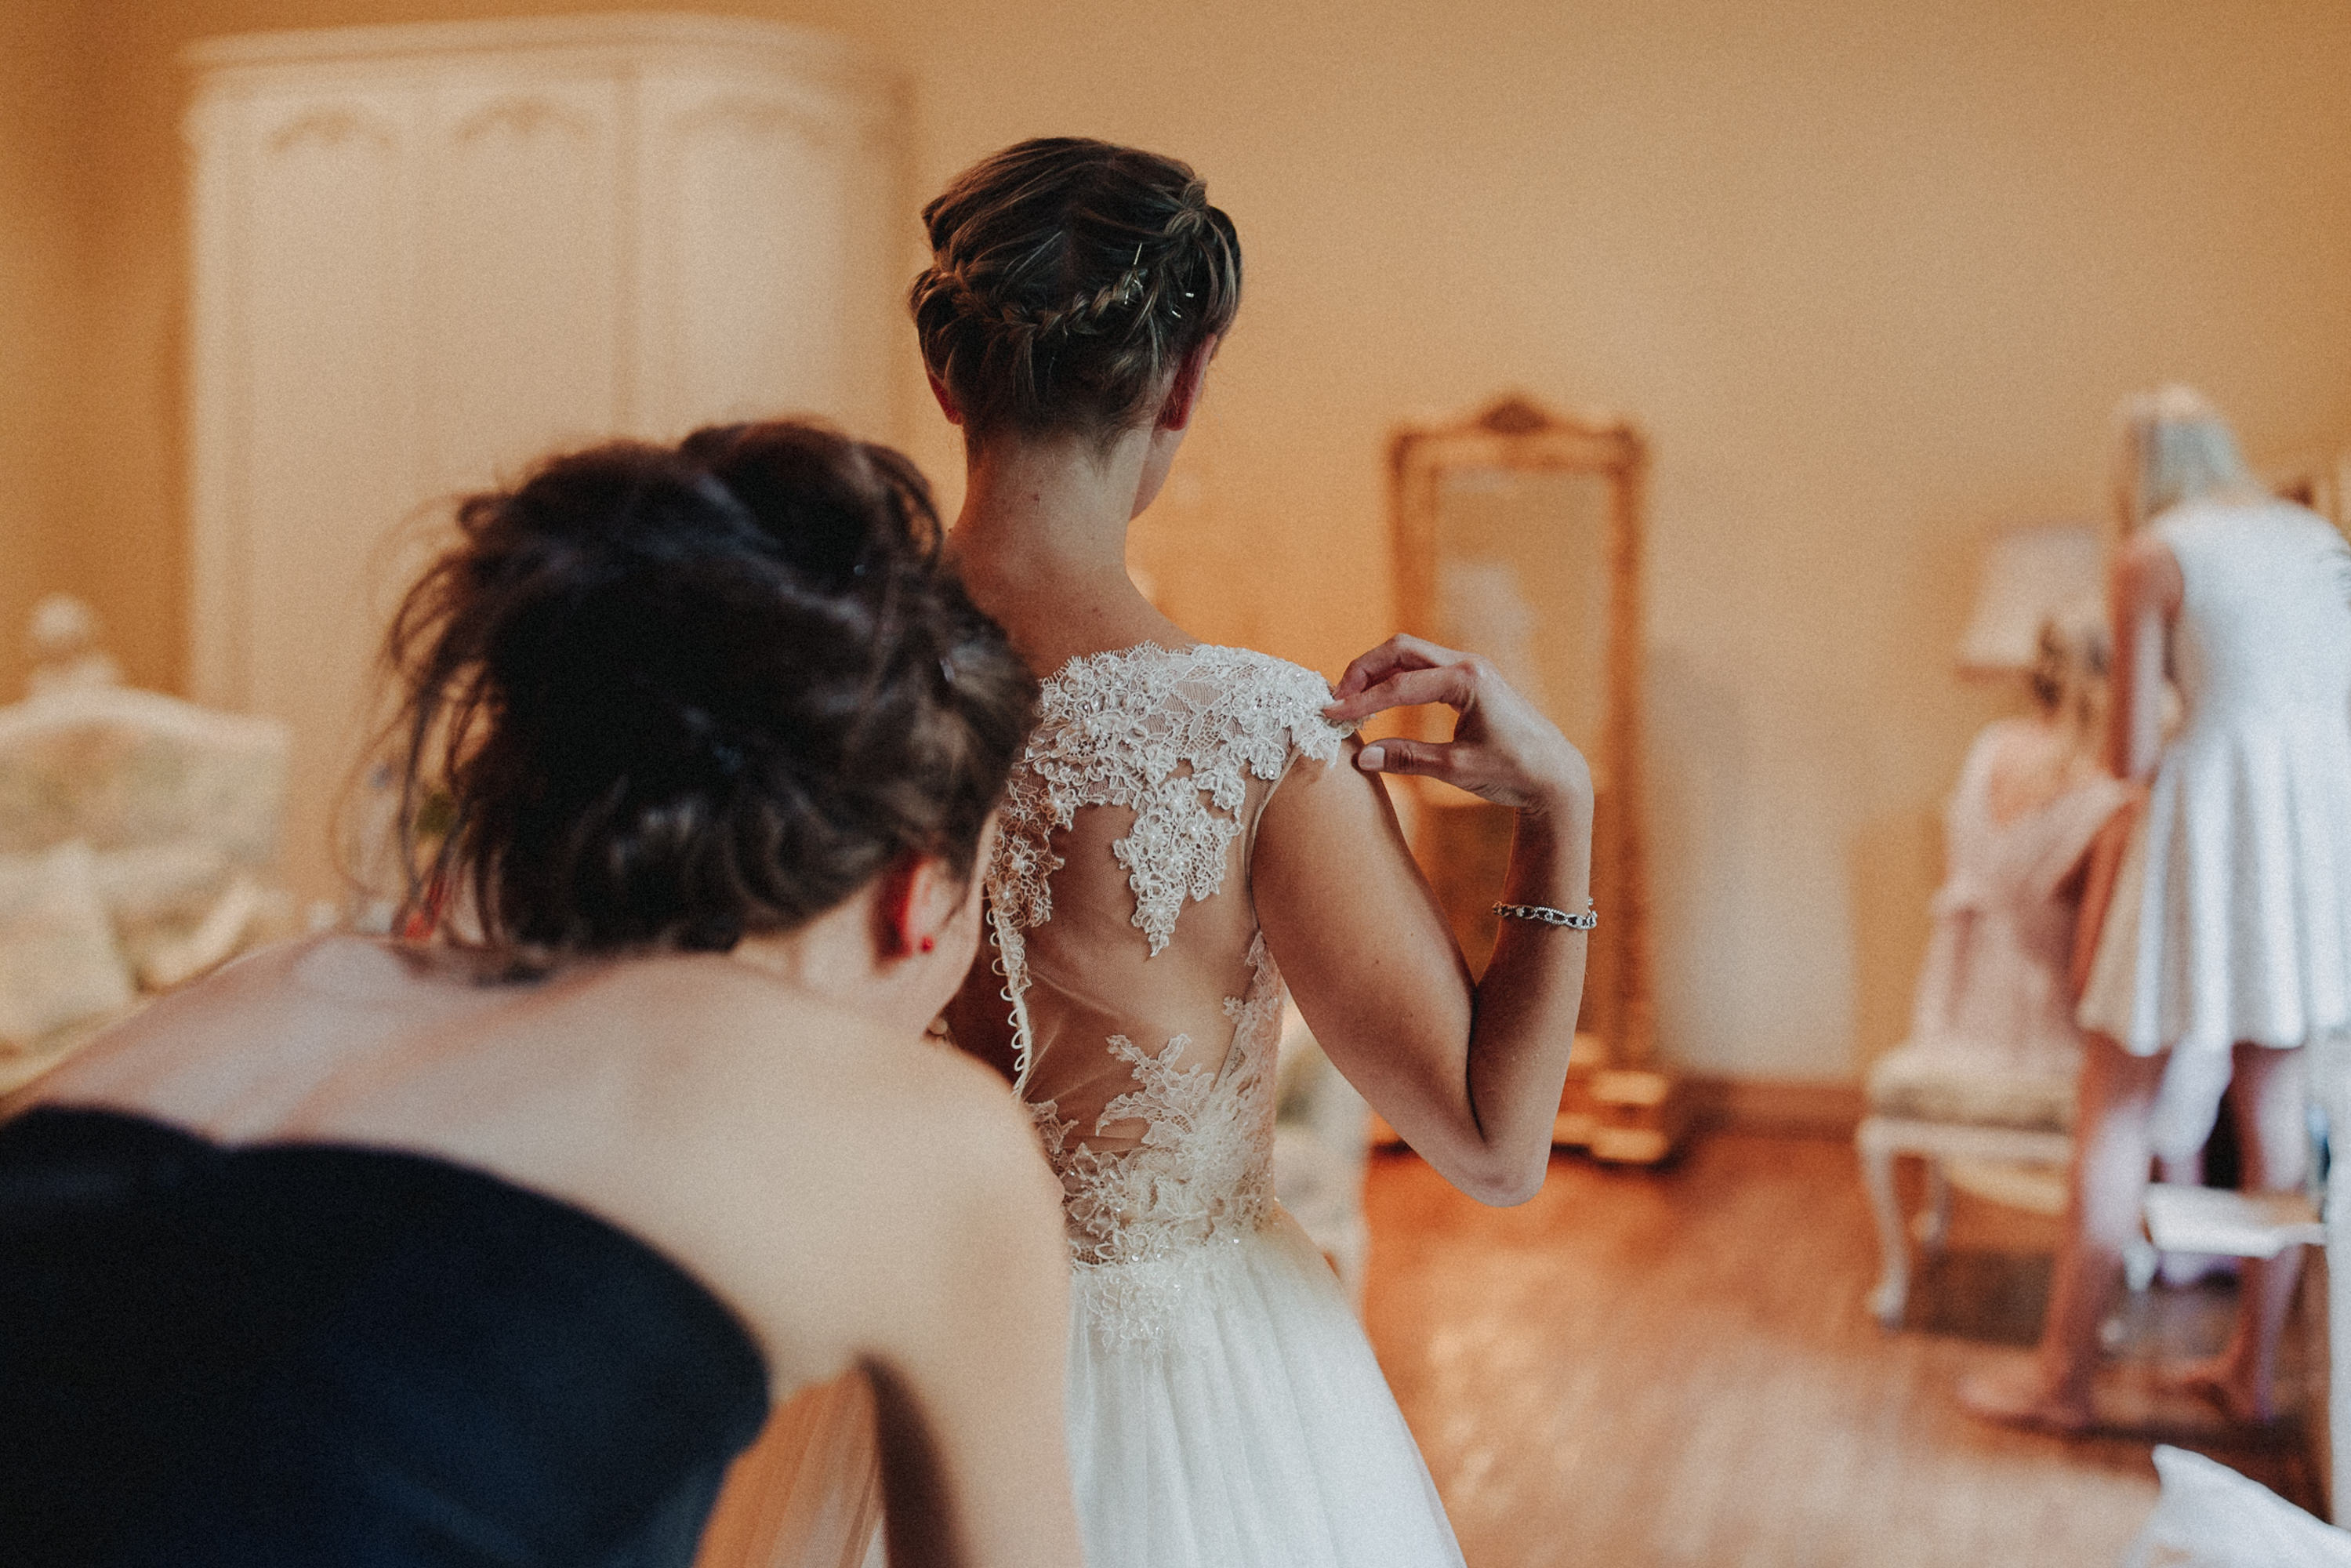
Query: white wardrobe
424, 254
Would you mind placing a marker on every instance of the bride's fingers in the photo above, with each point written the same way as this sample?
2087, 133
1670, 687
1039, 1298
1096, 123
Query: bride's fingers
1426, 757
1400, 652
1449, 683
1368, 670
1475, 769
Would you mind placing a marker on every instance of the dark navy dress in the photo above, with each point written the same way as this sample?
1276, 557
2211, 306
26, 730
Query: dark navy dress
304, 1353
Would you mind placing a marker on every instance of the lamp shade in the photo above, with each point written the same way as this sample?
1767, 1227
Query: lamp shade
2028, 573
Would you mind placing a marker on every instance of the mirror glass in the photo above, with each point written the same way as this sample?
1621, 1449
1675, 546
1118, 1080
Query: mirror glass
1517, 535
1522, 577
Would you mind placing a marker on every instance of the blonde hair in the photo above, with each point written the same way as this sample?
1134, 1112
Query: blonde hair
2071, 659
2171, 446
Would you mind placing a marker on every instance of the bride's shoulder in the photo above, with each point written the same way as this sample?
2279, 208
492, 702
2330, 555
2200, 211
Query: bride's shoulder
1261, 685
1289, 697
1154, 665
1280, 675
1207, 702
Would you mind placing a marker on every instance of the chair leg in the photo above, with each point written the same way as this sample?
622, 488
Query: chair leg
1935, 1221
2141, 1262
1892, 1295
2327, 1059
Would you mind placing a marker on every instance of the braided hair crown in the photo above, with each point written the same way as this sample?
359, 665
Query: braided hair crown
1069, 278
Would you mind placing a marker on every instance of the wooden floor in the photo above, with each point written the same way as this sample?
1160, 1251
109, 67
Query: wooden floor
1677, 1368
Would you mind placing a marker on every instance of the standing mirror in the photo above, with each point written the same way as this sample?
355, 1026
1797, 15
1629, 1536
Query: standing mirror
1518, 536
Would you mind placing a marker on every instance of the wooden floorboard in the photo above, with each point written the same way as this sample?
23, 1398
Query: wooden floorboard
1677, 1367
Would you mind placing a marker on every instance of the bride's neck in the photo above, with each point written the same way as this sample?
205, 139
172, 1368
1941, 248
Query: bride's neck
1053, 510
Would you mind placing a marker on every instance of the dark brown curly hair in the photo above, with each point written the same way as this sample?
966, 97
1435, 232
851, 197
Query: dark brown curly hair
670, 696
1068, 280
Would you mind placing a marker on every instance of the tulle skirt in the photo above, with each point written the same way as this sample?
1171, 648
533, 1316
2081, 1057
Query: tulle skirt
1226, 1411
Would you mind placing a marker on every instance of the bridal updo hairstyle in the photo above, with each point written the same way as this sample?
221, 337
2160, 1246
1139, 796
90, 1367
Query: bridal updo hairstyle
1068, 281
667, 697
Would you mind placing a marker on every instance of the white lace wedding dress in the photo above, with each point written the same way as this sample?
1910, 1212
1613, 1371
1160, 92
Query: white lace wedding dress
1225, 1408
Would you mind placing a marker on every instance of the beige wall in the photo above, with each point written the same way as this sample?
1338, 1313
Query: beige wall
43, 123
1872, 276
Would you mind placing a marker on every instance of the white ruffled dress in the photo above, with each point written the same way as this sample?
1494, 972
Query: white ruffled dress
2231, 915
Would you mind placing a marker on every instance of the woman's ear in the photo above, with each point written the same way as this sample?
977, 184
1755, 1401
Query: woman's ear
947, 405
1183, 399
916, 901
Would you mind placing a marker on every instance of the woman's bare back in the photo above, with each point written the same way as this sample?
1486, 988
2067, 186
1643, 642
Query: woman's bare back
737, 1125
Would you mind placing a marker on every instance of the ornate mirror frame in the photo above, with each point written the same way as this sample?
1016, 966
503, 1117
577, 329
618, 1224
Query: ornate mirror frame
1461, 846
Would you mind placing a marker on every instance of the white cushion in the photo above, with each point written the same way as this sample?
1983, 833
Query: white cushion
2208, 1516
58, 962
1942, 1083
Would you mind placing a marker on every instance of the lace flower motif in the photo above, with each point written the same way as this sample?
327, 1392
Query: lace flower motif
1173, 735
1201, 1172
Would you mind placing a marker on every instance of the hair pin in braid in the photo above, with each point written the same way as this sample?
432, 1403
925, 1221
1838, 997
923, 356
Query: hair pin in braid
1028, 314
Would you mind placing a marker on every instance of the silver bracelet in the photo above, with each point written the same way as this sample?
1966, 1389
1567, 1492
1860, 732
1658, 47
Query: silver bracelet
1550, 916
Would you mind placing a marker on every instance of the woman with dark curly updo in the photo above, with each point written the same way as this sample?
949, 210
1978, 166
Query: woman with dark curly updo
495, 1245
1189, 826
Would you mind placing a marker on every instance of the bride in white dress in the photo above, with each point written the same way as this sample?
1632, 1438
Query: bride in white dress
1191, 827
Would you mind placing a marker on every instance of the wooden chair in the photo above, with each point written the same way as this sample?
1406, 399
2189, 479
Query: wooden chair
1952, 1109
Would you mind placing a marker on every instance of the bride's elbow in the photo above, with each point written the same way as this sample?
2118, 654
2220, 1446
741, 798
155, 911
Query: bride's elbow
1512, 1192
1501, 1180
1498, 1170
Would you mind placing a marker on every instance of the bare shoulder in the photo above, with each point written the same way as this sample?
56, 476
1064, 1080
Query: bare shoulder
925, 1095
826, 1172
1317, 775
979, 1165
1322, 785
2147, 573
754, 1058
2143, 551
1345, 908
234, 1009
264, 972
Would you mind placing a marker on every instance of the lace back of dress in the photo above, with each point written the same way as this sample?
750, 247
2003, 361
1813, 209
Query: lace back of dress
1144, 1004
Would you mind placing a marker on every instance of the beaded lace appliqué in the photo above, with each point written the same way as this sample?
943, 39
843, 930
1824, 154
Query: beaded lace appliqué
1142, 1220
1174, 736
1171, 734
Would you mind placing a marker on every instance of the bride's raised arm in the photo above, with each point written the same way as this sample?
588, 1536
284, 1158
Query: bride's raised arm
1469, 1074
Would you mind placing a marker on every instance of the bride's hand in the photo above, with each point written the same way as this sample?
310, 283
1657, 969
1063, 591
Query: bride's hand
1502, 749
